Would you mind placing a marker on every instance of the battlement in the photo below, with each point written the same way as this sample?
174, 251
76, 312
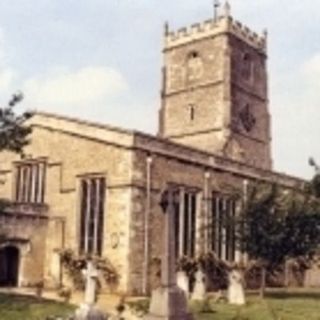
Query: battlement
209, 28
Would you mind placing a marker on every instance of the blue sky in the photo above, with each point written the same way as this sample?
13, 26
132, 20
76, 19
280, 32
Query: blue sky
101, 60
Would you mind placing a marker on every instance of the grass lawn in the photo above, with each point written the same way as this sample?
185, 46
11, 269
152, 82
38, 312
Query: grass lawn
298, 305
276, 306
19, 307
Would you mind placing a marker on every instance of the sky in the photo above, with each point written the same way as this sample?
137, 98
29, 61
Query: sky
100, 60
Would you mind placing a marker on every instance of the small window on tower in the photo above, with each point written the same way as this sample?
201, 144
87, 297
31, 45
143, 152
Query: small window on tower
247, 66
194, 54
191, 112
194, 66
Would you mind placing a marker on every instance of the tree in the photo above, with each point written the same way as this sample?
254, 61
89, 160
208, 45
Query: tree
275, 225
280, 224
13, 131
13, 136
315, 182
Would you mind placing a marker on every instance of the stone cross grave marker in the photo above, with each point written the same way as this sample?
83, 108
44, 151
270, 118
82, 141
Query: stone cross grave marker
183, 282
87, 310
235, 288
199, 290
169, 301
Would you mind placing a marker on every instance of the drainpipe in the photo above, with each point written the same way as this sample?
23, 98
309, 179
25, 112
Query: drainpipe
146, 226
205, 221
63, 230
244, 253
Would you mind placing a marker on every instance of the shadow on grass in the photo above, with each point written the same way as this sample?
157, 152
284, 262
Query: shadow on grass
16, 306
11, 298
281, 295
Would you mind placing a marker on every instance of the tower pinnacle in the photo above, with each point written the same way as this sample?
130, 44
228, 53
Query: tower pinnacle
216, 5
227, 9
166, 28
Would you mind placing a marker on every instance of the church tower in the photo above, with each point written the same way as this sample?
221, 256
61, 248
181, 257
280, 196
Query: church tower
214, 94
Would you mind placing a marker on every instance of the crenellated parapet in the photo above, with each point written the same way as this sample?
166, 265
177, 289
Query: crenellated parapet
211, 28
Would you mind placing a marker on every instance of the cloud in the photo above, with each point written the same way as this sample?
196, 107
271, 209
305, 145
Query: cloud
73, 88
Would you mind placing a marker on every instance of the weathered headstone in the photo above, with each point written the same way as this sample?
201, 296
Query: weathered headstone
183, 282
199, 290
168, 302
87, 310
236, 288
91, 276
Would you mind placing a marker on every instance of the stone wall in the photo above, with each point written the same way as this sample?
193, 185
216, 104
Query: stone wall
74, 149
27, 233
173, 163
195, 75
135, 174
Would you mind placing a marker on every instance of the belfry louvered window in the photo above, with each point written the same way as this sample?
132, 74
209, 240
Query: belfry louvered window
30, 182
92, 215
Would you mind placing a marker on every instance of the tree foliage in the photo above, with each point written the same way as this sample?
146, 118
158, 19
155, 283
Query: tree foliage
280, 224
75, 264
13, 137
315, 185
13, 131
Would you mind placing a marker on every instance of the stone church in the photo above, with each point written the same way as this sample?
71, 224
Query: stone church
95, 188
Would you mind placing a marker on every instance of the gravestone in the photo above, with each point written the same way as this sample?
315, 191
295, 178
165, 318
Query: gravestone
87, 310
183, 282
236, 288
199, 290
169, 301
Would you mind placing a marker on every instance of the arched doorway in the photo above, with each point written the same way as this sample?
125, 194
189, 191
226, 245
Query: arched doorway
9, 266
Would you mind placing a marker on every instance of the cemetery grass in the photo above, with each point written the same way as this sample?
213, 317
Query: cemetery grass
276, 306
21, 307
